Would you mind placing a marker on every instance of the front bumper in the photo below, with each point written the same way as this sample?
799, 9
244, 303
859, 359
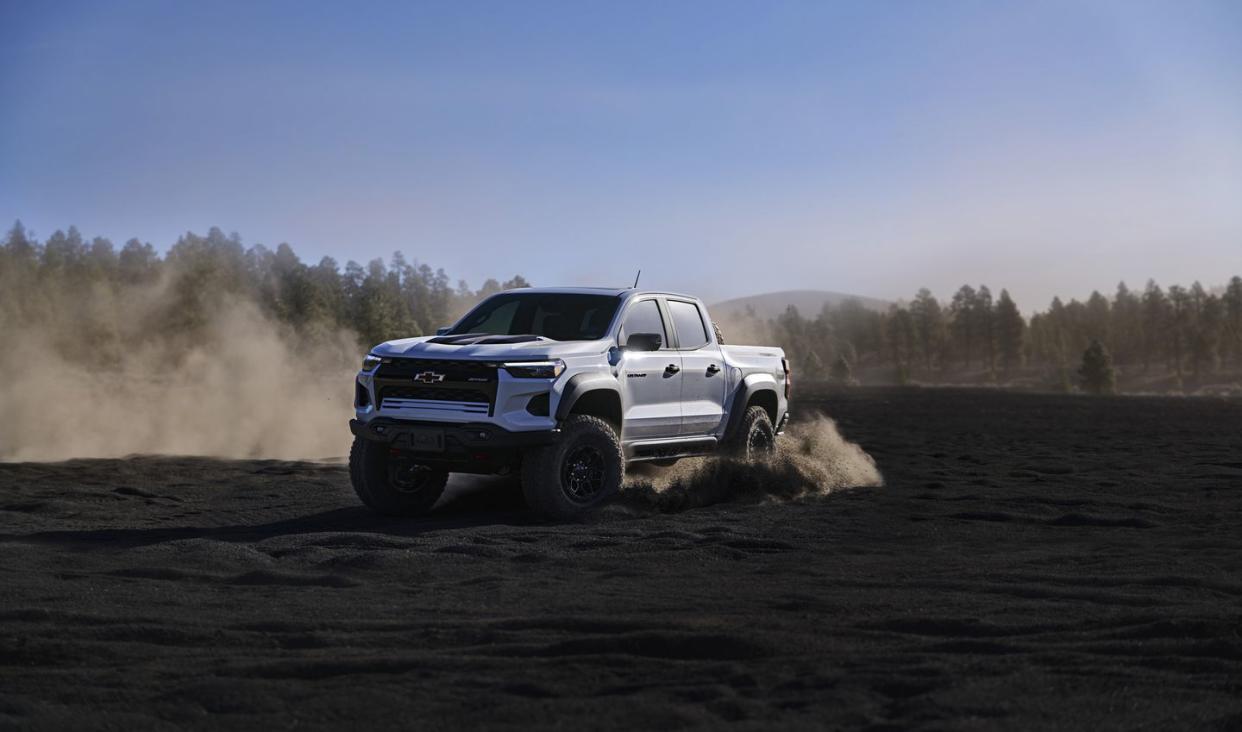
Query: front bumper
476, 447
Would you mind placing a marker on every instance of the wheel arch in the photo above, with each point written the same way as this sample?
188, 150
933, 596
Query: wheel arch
765, 398
593, 394
761, 394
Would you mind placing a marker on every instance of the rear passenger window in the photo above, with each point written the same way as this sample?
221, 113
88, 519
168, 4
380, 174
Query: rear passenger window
691, 333
643, 317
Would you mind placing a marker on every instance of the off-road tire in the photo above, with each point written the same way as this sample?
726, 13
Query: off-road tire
578, 473
371, 472
755, 438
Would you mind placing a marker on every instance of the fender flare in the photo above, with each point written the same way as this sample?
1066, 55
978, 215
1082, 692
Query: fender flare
579, 385
745, 391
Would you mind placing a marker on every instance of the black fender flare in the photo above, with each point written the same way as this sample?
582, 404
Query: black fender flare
579, 385
738, 409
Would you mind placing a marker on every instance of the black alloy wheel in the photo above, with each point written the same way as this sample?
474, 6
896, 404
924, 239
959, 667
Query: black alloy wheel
582, 474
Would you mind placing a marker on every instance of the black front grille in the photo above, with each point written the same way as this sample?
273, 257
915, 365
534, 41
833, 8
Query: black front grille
434, 394
442, 369
440, 380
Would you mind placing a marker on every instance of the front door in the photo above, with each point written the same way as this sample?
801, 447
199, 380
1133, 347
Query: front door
650, 380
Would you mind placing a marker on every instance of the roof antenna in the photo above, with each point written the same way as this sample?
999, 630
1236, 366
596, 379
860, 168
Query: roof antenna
640, 274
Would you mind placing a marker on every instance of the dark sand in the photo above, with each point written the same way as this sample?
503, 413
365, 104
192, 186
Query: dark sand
1033, 561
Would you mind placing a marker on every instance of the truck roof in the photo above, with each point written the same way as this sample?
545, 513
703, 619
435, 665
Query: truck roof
614, 291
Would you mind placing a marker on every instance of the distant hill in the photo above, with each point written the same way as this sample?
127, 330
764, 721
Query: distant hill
808, 302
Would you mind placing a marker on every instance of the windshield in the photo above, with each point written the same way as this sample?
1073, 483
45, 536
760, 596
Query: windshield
559, 316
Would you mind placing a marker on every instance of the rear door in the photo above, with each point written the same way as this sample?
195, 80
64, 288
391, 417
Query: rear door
702, 369
650, 380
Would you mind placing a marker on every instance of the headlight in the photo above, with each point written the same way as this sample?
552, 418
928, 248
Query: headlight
535, 369
370, 363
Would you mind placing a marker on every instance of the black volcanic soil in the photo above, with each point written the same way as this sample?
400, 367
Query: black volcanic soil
1033, 561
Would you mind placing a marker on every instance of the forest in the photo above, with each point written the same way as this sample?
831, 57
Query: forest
1182, 338
67, 279
90, 293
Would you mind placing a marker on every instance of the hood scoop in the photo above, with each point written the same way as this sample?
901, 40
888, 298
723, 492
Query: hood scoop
483, 339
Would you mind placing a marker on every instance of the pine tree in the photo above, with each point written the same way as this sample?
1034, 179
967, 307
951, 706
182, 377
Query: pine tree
1209, 321
490, 287
963, 325
137, 262
1010, 332
1155, 323
929, 326
18, 245
1125, 325
901, 340
1096, 372
1180, 317
1098, 315
1233, 318
1059, 333
985, 328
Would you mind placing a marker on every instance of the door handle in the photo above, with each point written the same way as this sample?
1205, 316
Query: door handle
672, 368
713, 369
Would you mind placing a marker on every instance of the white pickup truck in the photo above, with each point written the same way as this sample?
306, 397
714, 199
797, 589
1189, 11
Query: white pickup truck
566, 386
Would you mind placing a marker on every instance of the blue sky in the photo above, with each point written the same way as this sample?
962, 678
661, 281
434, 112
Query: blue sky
725, 148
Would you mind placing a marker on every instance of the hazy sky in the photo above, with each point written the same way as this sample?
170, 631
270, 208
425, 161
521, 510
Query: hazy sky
870, 147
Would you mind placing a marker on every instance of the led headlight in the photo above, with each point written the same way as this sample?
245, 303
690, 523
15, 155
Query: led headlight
370, 363
535, 369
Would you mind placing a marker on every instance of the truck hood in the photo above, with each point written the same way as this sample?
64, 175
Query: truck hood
423, 347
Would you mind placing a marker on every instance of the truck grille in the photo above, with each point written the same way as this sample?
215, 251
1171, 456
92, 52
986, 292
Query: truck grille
433, 394
442, 385
453, 371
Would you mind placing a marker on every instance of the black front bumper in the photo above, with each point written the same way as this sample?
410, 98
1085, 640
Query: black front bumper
472, 447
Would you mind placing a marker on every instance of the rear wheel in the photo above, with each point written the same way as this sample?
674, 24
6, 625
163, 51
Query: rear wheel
578, 473
755, 438
393, 483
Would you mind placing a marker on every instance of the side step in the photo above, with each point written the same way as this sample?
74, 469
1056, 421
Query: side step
678, 447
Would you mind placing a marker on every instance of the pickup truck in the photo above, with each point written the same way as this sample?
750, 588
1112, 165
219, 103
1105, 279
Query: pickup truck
563, 386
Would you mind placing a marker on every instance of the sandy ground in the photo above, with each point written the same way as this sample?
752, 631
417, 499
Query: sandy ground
1032, 561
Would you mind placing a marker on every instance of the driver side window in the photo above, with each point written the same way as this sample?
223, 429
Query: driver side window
643, 317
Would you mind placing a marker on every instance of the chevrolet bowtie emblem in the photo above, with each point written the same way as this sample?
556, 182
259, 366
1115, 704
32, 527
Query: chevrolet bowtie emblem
429, 377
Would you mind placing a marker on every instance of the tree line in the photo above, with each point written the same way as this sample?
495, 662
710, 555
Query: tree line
68, 278
110, 298
1188, 334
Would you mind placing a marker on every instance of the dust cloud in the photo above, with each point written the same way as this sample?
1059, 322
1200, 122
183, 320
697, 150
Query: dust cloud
812, 459
86, 381
739, 328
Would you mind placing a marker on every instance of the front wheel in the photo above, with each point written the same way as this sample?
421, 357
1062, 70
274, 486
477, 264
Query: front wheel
392, 483
578, 473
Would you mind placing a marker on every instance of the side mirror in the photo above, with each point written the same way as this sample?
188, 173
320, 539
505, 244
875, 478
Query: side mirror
444, 330
644, 342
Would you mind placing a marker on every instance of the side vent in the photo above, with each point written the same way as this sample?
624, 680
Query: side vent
538, 405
